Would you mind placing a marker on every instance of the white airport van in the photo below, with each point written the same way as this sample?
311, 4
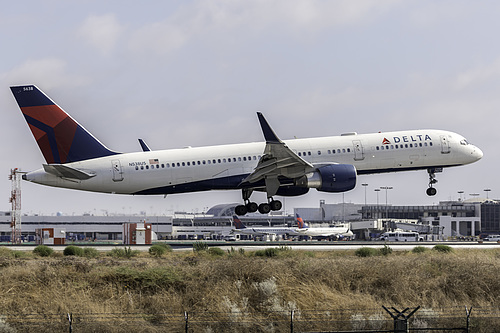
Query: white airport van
401, 236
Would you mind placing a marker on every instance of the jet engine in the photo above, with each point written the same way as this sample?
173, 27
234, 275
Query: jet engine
330, 178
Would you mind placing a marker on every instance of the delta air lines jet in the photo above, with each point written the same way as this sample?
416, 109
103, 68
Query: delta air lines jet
337, 231
76, 159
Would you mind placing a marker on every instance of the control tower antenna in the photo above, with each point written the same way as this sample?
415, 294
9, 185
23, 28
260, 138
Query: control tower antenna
15, 200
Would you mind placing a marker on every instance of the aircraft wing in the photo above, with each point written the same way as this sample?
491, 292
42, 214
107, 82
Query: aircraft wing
277, 161
64, 171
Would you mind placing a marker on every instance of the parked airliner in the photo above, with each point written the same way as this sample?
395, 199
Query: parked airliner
75, 159
242, 229
336, 231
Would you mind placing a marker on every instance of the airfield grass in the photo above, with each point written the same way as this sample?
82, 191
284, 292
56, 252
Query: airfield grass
244, 283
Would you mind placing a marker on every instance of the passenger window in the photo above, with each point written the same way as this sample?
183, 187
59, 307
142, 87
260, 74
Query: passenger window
183, 164
244, 158
430, 144
319, 152
147, 167
142, 167
214, 161
136, 167
218, 160
188, 163
309, 153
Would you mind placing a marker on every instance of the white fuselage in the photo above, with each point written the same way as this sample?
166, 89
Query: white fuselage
225, 166
325, 232
266, 231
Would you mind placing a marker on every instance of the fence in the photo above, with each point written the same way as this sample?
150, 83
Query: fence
455, 319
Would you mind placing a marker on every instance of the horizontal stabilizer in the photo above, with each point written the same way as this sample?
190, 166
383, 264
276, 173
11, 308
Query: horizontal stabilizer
65, 171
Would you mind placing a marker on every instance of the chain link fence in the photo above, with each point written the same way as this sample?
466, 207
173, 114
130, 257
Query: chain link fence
453, 319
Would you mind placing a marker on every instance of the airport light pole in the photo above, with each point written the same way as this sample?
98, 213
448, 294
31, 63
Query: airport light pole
386, 188
377, 190
487, 190
365, 185
460, 195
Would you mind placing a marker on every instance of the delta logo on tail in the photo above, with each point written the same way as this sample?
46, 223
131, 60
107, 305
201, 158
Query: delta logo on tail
237, 223
60, 138
300, 222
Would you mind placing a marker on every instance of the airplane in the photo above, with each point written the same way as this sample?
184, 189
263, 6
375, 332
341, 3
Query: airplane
337, 231
75, 159
242, 229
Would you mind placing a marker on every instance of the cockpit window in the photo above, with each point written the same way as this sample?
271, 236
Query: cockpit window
464, 142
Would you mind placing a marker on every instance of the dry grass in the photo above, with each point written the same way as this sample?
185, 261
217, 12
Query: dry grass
245, 285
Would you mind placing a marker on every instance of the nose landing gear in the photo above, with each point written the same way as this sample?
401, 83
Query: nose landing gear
431, 191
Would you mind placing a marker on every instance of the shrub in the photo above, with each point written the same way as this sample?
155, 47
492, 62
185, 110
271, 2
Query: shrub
43, 251
90, 252
366, 252
442, 248
216, 251
200, 246
123, 253
386, 250
419, 249
72, 250
157, 250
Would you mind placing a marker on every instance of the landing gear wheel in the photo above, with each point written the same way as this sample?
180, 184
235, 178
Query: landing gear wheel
251, 207
264, 208
431, 191
240, 210
276, 205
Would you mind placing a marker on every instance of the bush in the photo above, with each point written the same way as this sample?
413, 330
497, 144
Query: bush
73, 250
442, 248
123, 253
216, 251
43, 251
366, 252
200, 246
386, 250
419, 249
157, 250
90, 252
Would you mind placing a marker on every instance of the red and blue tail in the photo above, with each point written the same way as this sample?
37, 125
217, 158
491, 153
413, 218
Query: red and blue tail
300, 222
60, 138
237, 222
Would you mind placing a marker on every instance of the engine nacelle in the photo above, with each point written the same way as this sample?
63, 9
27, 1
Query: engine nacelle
330, 178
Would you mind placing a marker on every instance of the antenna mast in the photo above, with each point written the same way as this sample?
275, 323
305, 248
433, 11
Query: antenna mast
15, 200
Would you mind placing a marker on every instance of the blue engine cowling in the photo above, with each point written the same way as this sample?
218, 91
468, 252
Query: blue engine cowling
330, 178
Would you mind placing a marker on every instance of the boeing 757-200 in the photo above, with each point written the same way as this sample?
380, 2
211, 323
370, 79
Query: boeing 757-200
75, 159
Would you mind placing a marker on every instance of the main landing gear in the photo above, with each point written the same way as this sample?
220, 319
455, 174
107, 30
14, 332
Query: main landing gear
252, 207
431, 191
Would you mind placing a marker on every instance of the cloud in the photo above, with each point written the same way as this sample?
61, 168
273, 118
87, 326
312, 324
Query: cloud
102, 32
252, 19
50, 71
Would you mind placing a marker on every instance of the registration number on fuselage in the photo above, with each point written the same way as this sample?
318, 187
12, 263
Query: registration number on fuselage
132, 164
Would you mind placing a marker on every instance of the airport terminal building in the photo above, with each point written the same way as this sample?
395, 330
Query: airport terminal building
447, 220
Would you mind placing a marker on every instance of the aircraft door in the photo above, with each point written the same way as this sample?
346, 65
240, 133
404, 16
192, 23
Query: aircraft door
359, 153
117, 170
445, 145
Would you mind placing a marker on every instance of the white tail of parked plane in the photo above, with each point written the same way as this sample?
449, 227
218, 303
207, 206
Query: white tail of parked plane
75, 159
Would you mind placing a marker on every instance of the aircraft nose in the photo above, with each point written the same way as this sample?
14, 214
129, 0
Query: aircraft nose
476, 153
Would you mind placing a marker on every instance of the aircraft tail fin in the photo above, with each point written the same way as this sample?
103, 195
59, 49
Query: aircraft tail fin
60, 138
300, 222
237, 223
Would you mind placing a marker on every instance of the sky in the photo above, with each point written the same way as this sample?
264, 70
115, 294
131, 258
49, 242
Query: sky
194, 73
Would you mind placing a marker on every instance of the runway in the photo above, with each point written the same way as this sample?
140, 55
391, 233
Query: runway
254, 246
